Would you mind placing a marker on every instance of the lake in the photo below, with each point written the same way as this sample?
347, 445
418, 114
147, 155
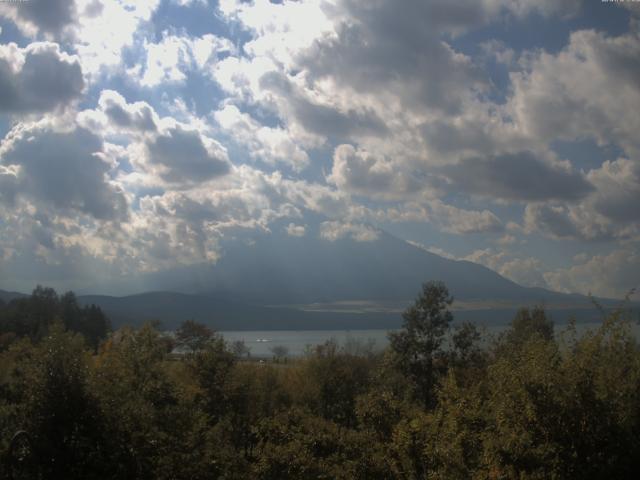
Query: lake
260, 342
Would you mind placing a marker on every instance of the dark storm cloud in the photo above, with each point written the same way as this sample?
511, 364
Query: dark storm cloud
47, 79
517, 176
62, 170
185, 157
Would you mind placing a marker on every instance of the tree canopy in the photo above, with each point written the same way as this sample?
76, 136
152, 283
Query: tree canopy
441, 402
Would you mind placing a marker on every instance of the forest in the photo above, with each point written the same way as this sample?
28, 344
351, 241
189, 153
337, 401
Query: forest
442, 401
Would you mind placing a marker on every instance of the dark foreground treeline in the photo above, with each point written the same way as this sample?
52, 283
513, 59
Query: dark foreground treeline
439, 403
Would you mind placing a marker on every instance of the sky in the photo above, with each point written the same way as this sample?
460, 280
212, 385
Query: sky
137, 135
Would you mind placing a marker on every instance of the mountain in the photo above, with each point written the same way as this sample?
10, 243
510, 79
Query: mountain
6, 297
273, 268
321, 280
270, 280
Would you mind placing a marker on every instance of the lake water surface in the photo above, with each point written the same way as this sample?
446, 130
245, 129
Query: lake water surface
260, 342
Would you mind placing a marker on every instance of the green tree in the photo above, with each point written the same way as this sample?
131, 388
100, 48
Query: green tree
418, 345
61, 414
193, 336
530, 322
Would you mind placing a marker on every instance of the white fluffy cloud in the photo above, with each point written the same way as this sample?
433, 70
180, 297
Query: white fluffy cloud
336, 230
169, 60
270, 145
294, 230
590, 88
609, 275
527, 271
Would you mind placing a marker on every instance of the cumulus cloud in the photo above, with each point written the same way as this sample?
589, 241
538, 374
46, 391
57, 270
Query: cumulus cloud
183, 156
362, 173
336, 230
169, 60
527, 271
270, 145
47, 16
62, 170
37, 78
294, 230
461, 221
608, 275
359, 110
139, 116
618, 190
518, 176
318, 116
609, 212
104, 30
589, 88
552, 220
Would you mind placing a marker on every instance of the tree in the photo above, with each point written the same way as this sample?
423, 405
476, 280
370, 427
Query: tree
279, 352
193, 336
529, 323
61, 414
240, 349
417, 347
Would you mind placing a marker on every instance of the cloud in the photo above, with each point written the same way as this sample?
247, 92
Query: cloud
270, 145
435, 250
169, 60
589, 88
461, 222
618, 190
138, 116
361, 173
552, 220
8, 184
335, 230
294, 230
323, 118
63, 171
50, 17
526, 271
518, 176
38, 78
183, 156
609, 212
606, 275
106, 29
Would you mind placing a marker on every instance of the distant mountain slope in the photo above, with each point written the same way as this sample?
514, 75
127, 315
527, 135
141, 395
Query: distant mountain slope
270, 280
8, 296
274, 268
